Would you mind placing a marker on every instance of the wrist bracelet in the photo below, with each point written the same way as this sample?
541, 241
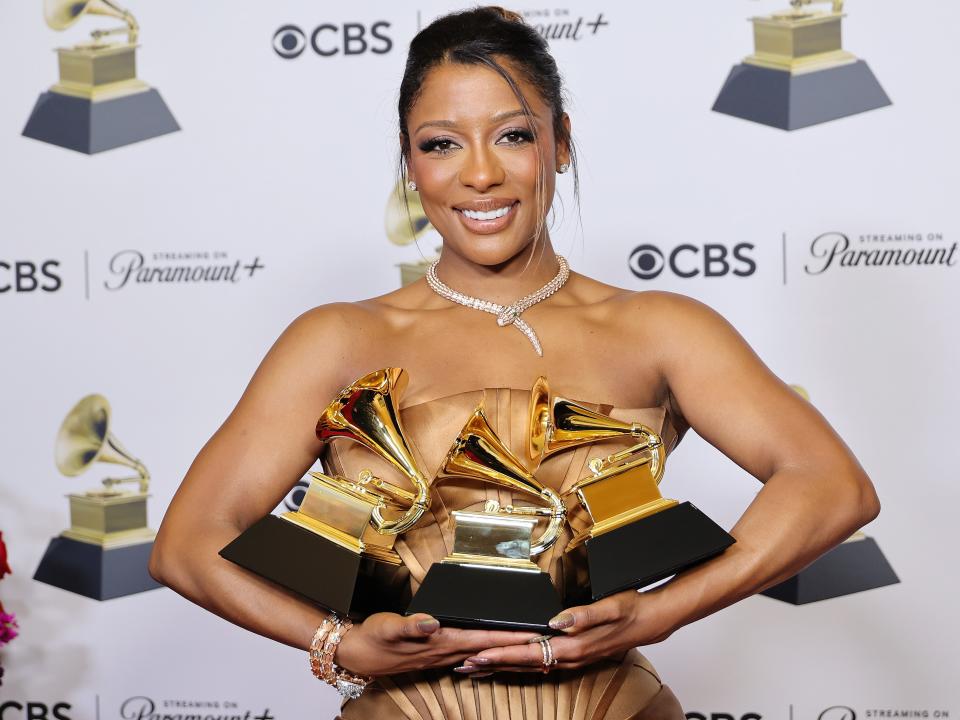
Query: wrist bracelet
322, 649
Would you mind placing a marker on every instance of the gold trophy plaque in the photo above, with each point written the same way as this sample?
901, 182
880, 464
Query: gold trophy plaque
99, 103
636, 536
336, 549
799, 73
489, 580
105, 551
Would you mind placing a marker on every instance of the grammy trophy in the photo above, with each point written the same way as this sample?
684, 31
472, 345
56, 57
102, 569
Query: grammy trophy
337, 548
489, 580
636, 536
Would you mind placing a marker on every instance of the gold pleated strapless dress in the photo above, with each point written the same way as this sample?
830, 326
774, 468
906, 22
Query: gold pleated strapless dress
607, 690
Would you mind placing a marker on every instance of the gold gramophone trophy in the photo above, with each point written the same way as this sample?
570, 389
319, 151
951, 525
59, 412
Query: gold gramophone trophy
105, 551
857, 564
99, 103
337, 548
636, 536
489, 580
799, 73
405, 222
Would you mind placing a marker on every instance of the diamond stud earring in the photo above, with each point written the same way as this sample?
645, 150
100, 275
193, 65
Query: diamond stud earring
563, 167
411, 186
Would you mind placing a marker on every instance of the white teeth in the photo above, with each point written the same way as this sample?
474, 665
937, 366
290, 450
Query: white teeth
492, 215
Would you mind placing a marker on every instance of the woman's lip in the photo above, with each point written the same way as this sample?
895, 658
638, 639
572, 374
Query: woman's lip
488, 227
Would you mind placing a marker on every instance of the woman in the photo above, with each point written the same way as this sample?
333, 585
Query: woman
482, 134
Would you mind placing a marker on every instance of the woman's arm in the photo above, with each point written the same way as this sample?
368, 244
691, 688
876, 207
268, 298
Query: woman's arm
815, 493
266, 444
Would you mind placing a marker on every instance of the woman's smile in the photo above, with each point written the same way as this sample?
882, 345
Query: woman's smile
487, 215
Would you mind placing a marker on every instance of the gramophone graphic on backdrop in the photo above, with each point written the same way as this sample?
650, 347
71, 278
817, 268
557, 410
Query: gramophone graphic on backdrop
799, 74
405, 223
104, 552
99, 104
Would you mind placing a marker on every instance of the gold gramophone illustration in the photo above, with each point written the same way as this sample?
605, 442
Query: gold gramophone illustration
104, 552
489, 580
799, 73
99, 103
405, 223
337, 548
636, 536
857, 564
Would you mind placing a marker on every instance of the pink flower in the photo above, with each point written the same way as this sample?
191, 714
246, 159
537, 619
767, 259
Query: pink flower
8, 628
4, 567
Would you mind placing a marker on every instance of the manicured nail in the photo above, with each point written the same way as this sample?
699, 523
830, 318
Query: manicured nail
539, 638
466, 669
428, 626
478, 660
561, 621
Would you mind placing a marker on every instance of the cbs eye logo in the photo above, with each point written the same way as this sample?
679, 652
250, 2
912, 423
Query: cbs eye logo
294, 498
329, 39
686, 261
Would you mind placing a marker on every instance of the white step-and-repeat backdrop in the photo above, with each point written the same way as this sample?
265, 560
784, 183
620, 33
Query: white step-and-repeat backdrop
280, 176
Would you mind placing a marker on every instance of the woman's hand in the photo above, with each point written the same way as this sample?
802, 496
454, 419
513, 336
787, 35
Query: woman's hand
604, 629
386, 643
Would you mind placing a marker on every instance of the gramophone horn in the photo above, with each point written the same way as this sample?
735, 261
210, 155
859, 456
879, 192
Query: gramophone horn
479, 454
405, 218
366, 412
558, 424
84, 438
61, 14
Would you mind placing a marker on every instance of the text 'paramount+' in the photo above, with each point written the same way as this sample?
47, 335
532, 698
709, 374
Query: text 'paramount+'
131, 267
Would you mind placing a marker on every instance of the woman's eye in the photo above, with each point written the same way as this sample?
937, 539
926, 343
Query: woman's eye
517, 137
440, 146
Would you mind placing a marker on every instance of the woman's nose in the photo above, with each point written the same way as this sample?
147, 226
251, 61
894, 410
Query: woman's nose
481, 170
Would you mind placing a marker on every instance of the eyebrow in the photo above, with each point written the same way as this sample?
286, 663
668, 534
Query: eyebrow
499, 117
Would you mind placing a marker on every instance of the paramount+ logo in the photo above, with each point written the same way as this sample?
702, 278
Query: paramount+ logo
709, 260
332, 39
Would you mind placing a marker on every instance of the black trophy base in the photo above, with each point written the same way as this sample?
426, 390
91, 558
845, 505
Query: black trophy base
90, 127
319, 569
470, 596
642, 553
852, 567
96, 572
789, 102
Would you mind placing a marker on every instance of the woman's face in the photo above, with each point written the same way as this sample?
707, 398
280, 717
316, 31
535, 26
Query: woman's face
475, 162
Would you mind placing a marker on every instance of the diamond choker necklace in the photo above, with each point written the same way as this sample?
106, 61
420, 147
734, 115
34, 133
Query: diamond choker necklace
506, 314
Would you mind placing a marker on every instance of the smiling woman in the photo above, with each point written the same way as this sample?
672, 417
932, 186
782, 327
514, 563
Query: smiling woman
483, 134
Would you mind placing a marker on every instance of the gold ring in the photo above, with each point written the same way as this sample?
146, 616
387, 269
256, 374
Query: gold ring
548, 657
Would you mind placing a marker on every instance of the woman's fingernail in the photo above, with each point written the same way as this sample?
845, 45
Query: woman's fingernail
478, 660
561, 621
539, 638
428, 626
466, 669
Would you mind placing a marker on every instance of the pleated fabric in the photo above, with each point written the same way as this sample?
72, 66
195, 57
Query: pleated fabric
605, 691
626, 690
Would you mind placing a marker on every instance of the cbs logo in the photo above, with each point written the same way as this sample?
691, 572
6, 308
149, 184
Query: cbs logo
13, 710
687, 261
24, 276
294, 498
329, 39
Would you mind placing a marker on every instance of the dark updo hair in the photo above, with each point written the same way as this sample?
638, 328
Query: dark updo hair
483, 36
